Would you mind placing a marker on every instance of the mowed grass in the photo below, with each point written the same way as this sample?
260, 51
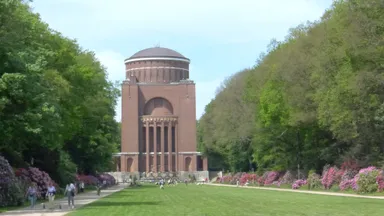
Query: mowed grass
193, 200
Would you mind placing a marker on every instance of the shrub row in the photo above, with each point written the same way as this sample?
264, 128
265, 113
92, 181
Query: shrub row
94, 180
365, 180
14, 184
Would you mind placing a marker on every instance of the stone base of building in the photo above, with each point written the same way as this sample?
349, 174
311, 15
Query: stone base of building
199, 175
125, 176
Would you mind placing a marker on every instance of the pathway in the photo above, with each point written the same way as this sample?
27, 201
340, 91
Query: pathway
302, 191
80, 200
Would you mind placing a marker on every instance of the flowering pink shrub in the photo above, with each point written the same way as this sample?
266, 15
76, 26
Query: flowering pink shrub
11, 193
380, 181
251, 178
366, 180
346, 184
260, 181
87, 179
347, 180
225, 179
288, 178
271, 177
110, 180
350, 165
329, 177
298, 183
41, 178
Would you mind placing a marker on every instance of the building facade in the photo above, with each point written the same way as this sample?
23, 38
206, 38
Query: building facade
158, 126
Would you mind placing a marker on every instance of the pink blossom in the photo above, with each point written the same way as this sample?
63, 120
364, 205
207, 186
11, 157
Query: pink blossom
298, 183
271, 177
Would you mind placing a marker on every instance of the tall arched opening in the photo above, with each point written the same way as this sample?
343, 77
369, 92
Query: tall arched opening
158, 106
188, 163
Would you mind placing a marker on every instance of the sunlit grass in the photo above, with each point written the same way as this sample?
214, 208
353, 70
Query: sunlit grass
209, 200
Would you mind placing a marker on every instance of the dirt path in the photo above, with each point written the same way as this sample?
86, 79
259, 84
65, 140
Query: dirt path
80, 200
302, 191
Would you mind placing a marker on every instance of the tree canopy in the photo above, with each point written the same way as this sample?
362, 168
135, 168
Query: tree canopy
56, 104
316, 98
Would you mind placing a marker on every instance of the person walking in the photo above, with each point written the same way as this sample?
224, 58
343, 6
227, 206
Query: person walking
51, 192
82, 187
32, 194
98, 188
70, 191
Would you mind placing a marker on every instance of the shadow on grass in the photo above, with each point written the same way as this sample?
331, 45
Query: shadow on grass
109, 204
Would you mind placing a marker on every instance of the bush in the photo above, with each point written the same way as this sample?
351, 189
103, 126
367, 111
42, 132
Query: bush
298, 183
110, 180
251, 178
11, 193
347, 179
88, 179
271, 177
380, 181
288, 178
314, 181
41, 178
367, 180
329, 177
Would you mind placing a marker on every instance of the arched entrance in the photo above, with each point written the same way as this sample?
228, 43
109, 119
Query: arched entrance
158, 107
188, 163
129, 164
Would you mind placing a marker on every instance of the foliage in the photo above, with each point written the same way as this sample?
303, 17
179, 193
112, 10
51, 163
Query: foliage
110, 180
315, 98
329, 177
314, 181
367, 180
380, 181
248, 177
270, 177
225, 130
298, 183
11, 193
288, 178
41, 178
87, 179
56, 105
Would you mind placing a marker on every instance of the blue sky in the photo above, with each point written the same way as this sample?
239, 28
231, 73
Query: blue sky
220, 37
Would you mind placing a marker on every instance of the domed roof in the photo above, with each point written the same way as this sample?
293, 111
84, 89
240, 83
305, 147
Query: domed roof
157, 52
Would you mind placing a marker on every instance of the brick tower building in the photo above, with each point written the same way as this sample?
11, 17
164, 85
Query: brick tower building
158, 128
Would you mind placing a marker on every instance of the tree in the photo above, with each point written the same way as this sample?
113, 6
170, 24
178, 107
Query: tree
56, 104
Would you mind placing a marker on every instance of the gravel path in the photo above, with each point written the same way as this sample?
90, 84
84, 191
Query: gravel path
80, 200
302, 191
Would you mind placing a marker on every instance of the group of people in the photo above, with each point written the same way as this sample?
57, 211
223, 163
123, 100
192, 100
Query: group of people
70, 192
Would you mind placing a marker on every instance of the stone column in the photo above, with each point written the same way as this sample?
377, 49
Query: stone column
176, 148
147, 147
205, 164
170, 155
162, 148
155, 145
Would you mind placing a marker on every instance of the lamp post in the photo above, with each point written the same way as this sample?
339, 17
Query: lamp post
298, 153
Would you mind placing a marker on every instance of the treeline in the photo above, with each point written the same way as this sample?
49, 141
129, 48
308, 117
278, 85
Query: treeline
315, 98
56, 104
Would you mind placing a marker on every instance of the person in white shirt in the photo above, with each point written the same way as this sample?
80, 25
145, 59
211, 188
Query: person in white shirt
70, 191
82, 187
51, 192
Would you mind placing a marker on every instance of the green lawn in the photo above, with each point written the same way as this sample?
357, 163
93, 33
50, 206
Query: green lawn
211, 200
